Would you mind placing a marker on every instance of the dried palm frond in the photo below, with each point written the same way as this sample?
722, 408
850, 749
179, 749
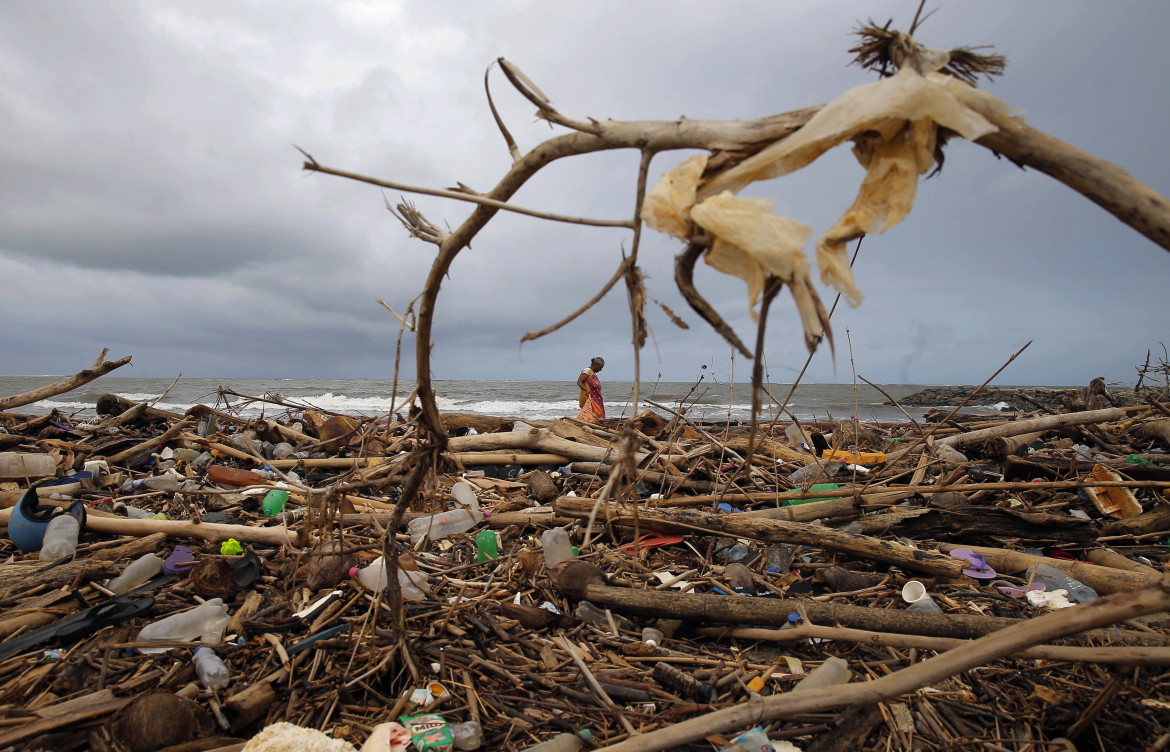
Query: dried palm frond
885, 51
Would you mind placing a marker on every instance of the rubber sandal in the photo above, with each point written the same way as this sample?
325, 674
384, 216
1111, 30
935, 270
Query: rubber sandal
179, 563
979, 568
246, 569
113, 611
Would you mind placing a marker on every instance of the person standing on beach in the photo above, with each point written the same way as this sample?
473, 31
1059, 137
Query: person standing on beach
590, 401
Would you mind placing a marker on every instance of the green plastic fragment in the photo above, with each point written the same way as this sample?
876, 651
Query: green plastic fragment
817, 487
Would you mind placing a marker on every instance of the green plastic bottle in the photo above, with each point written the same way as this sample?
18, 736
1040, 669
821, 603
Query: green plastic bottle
487, 545
274, 502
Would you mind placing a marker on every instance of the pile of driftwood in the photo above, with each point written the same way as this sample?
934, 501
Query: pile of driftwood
752, 580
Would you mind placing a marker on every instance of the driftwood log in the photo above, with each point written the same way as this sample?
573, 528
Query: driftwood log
99, 368
1099, 613
769, 531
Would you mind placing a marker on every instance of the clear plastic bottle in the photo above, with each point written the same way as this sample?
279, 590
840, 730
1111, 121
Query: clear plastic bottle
137, 513
184, 454
282, 450
813, 471
205, 623
169, 481
468, 735
556, 545
832, 671
443, 524
591, 614
1054, 579
60, 537
652, 636
212, 671
137, 572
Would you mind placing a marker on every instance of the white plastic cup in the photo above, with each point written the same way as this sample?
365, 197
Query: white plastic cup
914, 593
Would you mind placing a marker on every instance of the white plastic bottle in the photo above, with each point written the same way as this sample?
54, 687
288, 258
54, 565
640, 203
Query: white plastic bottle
23, 465
556, 546
832, 671
137, 572
212, 671
413, 584
443, 524
60, 537
205, 623
464, 495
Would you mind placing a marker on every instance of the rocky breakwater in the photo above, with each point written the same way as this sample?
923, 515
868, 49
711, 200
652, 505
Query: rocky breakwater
1025, 398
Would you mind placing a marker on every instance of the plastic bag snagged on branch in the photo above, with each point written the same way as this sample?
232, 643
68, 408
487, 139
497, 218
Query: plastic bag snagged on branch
894, 123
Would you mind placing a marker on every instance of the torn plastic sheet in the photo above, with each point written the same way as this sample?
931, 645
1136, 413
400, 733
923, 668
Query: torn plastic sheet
893, 123
667, 206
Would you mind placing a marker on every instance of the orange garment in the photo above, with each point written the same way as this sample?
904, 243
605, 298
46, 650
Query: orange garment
592, 404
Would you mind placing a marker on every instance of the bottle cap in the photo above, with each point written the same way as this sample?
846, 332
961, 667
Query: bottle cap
353, 571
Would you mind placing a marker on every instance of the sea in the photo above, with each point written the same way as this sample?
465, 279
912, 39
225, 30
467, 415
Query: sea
703, 401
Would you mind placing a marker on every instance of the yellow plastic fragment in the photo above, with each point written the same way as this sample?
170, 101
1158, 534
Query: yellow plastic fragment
854, 458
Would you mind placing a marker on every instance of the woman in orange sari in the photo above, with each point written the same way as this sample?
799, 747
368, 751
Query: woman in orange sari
592, 405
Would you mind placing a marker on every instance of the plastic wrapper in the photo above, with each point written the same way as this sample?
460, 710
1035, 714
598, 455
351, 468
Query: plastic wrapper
429, 733
667, 205
894, 123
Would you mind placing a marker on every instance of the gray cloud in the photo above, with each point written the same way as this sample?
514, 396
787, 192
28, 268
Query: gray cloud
153, 202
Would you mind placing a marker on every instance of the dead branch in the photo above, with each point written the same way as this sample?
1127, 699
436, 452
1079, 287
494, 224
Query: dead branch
99, 368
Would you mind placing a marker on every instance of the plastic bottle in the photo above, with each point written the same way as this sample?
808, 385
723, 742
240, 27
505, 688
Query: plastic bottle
60, 537
813, 471
134, 513
443, 524
1054, 579
274, 502
832, 671
244, 444
205, 623
556, 545
652, 636
562, 742
464, 495
212, 671
468, 735
26, 465
137, 572
412, 583
183, 454
282, 450
204, 458
169, 481
591, 614
230, 476
487, 545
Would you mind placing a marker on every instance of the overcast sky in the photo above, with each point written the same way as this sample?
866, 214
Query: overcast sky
151, 200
